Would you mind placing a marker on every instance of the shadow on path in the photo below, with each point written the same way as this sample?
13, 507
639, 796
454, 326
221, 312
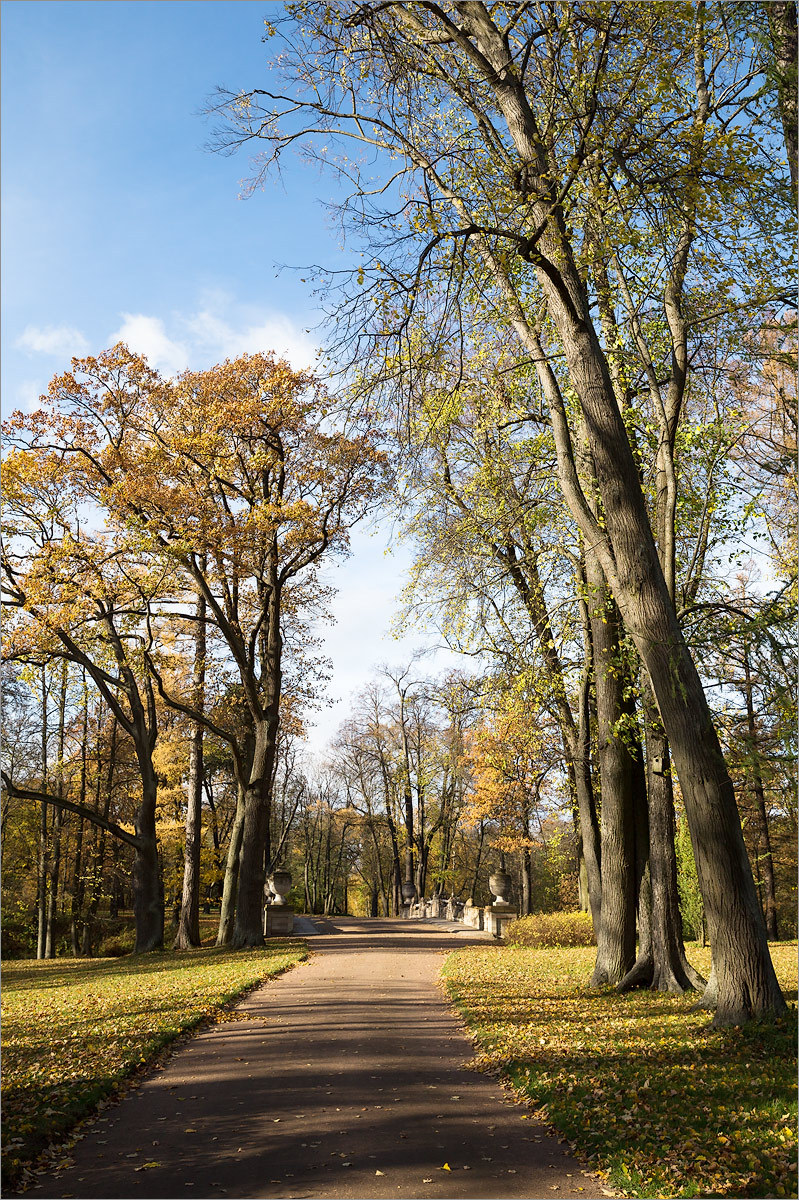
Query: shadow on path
344, 1078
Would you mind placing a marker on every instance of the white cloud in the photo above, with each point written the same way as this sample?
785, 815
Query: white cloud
57, 340
220, 328
147, 335
275, 332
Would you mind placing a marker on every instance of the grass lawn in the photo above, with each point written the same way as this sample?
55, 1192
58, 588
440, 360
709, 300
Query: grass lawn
74, 1029
657, 1102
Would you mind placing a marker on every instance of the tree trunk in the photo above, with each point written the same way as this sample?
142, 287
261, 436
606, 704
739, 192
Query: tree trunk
666, 967
43, 863
188, 931
616, 940
249, 926
53, 881
767, 858
148, 900
526, 904
747, 984
782, 23
78, 885
230, 887
576, 736
249, 929
58, 821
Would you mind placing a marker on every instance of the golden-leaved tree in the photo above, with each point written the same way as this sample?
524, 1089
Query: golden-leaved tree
238, 481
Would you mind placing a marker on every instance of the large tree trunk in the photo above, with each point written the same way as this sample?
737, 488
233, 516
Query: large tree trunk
746, 983
640, 974
249, 925
148, 900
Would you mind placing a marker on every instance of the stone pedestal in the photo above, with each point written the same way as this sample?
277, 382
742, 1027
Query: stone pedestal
278, 920
472, 916
497, 917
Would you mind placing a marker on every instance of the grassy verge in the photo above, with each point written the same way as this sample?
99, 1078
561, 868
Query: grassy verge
74, 1029
659, 1103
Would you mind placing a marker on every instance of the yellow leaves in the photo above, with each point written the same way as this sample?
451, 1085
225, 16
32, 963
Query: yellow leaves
73, 1029
629, 1079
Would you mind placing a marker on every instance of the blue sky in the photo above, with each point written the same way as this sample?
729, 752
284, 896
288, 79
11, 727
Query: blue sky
119, 224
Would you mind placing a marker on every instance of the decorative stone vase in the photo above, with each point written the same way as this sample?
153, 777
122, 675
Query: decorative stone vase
280, 883
408, 892
499, 883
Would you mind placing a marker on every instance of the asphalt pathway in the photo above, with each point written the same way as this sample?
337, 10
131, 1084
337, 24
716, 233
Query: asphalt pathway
343, 1078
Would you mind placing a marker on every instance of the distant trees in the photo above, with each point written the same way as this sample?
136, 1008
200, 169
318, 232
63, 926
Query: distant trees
401, 762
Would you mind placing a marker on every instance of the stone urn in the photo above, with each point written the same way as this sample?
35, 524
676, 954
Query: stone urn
280, 885
499, 883
408, 892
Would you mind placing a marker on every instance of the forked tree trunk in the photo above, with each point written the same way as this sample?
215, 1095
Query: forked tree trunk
746, 982
665, 968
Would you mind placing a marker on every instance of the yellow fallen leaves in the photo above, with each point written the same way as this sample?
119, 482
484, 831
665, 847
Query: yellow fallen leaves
73, 1029
638, 1082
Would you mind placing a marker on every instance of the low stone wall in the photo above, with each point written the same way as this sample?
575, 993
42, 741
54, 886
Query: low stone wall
491, 918
472, 916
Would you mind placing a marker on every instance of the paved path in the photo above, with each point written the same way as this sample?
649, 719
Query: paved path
343, 1078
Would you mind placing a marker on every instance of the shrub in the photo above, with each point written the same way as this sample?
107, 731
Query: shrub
18, 940
552, 929
114, 936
